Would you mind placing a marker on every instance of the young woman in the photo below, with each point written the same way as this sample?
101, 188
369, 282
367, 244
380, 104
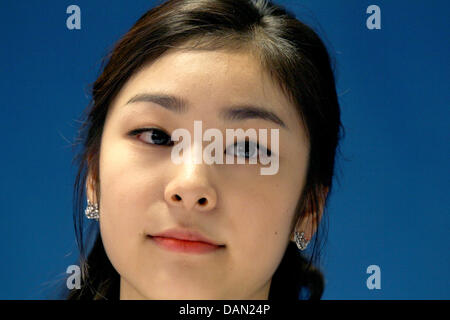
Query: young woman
194, 230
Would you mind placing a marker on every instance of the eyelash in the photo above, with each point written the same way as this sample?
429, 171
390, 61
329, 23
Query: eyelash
139, 131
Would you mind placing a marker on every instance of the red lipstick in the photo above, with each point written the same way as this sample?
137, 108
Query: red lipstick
184, 240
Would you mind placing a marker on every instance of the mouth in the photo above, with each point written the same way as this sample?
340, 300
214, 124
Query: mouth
183, 245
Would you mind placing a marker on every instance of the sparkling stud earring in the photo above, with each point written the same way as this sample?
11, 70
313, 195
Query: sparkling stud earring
300, 240
91, 211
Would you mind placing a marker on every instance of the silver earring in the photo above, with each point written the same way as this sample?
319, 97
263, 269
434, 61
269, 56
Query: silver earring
91, 211
300, 240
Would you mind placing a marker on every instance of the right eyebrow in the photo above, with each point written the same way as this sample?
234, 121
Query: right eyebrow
170, 102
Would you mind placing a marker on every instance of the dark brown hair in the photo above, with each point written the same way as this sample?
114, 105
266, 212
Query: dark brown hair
297, 61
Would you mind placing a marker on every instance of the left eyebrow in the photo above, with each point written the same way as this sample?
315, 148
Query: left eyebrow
250, 112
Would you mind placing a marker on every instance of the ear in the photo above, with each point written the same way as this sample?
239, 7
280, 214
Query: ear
310, 222
90, 188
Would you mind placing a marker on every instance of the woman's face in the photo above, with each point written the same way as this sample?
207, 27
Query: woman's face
144, 192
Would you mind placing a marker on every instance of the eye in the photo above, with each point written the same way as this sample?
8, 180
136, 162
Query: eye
247, 149
153, 136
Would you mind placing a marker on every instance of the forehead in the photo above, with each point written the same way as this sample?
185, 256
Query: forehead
210, 79
209, 72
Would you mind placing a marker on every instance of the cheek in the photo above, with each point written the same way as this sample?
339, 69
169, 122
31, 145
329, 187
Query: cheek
129, 193
261, 223
128, 185
265, 212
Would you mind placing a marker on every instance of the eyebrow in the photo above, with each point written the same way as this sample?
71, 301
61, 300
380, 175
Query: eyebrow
232, 113
170, 102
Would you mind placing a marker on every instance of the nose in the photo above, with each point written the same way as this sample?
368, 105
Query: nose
191, 190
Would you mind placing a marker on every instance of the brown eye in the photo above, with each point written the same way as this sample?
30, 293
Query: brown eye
244, 149
153, 136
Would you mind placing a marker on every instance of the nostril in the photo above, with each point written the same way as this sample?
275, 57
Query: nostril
202, 201
176, 197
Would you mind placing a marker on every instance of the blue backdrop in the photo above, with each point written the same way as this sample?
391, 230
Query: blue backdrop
390, 207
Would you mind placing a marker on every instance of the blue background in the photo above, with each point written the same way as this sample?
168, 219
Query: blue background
390, 205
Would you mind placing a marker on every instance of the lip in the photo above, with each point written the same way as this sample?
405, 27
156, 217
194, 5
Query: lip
184, 240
